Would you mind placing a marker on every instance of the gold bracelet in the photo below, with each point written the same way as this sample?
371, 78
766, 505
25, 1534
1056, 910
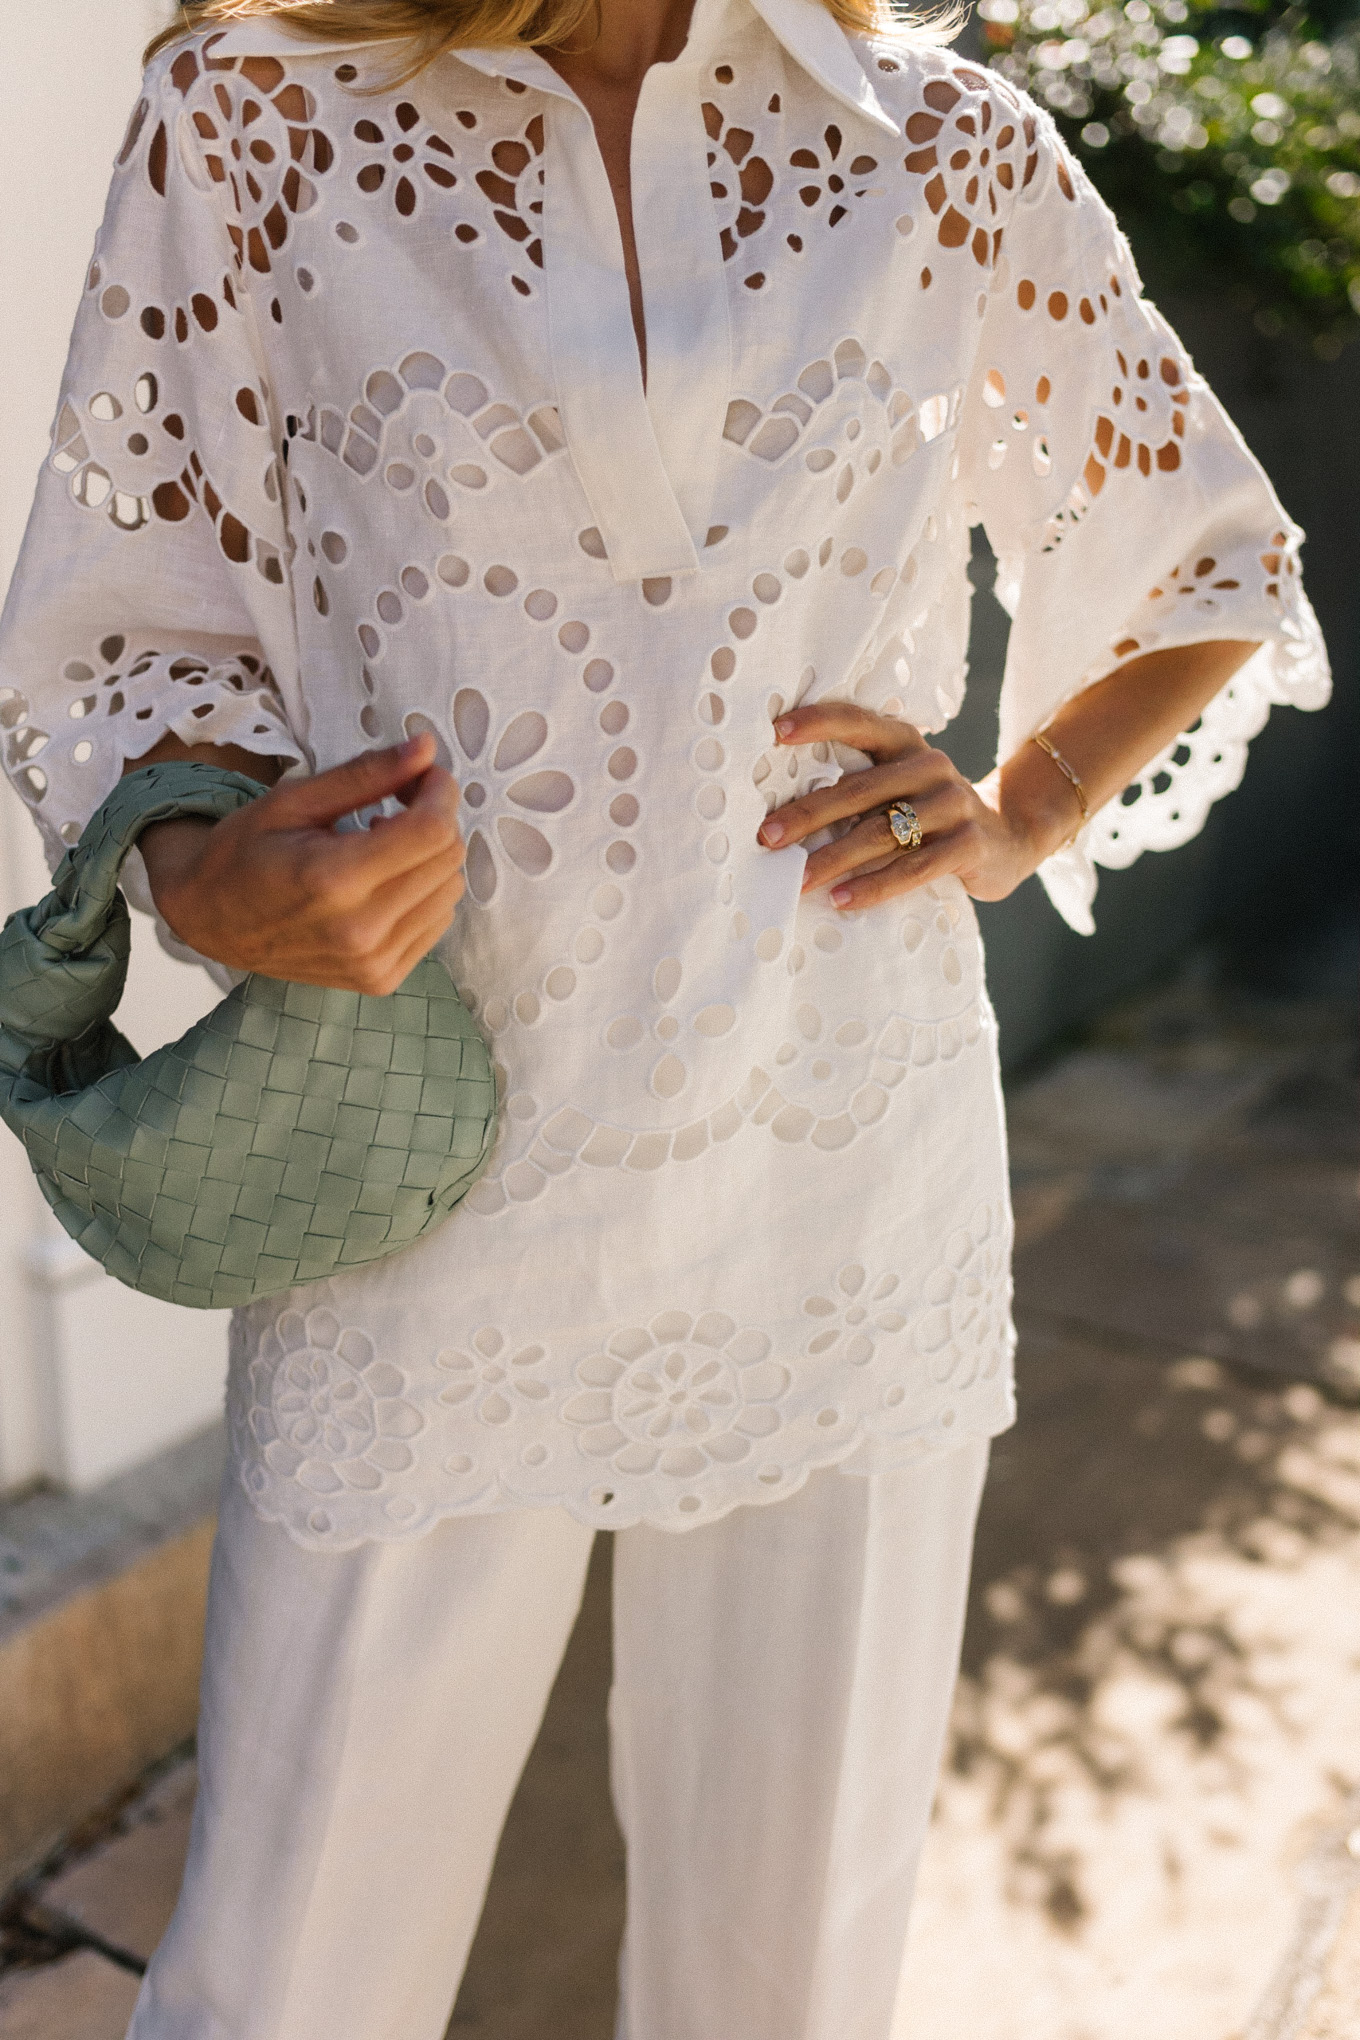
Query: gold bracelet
1047, 745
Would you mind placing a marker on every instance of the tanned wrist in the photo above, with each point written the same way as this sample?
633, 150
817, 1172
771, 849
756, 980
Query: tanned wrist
170, 850
1038, 807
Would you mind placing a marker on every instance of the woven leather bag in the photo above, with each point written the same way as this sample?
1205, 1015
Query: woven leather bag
292, 1133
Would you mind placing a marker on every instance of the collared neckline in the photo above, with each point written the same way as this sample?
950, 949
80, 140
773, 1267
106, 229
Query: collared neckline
806, 28
646, 458
808, 31
817, 42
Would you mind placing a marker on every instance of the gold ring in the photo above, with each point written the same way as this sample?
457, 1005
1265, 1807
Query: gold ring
905, 824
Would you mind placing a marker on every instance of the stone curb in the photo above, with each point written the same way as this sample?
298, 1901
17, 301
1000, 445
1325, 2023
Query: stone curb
100, 1642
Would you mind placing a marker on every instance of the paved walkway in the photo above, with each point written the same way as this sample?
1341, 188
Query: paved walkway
1150, 1821
1157, 1739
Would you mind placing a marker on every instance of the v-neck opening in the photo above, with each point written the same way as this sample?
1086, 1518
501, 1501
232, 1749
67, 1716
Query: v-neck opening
646, 449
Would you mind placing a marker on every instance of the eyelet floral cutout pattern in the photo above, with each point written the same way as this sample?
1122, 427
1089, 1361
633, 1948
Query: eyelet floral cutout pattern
490, 1378
326, 1411
202, 701
512, 182
852, 1316
406, 157
741, 182
128, 457
960, 1330
256, 125
678, 1396
975, 147
353, 443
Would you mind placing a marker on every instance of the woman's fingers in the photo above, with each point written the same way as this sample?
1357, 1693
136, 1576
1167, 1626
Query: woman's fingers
873, 842
372, 927
913, 777
894, 876
365, 859
376, 962
844, 722
416, 934
327, 796
421, 940
276, 889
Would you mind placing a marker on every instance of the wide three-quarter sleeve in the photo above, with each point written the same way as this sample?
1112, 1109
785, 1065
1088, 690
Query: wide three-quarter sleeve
1126, 514
152, 591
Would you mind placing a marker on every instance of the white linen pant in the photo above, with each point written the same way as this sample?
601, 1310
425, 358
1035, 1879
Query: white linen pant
782, 1682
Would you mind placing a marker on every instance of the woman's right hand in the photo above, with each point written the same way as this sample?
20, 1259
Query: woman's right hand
274, 888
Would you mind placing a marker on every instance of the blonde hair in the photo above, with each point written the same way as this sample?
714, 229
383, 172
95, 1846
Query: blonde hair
429, 27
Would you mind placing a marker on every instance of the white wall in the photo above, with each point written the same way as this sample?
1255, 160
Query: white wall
93, 1378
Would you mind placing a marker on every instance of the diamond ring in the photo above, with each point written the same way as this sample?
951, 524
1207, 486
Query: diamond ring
905, 824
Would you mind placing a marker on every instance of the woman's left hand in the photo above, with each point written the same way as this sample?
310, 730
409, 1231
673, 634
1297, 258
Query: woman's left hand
962, 832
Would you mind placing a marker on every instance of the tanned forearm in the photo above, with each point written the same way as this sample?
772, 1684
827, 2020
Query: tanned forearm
993, 835
1107, 734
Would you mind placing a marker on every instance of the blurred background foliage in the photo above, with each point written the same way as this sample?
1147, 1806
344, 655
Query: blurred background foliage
1227, 139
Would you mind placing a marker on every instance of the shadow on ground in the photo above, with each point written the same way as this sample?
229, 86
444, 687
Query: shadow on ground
1085, 1643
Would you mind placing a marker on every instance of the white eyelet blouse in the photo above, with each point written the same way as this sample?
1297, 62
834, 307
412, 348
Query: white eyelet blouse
354, 442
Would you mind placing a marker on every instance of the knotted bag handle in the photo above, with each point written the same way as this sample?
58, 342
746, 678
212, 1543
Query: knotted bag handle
63, 962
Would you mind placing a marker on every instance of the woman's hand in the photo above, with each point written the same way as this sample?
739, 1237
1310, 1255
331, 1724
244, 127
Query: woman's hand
963, 832
993, 835
274, 888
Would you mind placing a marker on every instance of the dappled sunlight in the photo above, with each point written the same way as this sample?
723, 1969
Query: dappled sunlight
1159, 1723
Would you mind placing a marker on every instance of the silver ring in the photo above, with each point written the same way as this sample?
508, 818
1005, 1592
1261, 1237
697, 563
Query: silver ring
905, 824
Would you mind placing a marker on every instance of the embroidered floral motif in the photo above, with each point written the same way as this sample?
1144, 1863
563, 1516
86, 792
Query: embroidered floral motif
230, 701
769, 435
114, 677
741, 184
831, 178
408, 412
325, 1411
403, 159
129, 456
678, 1396
497, 801
256, 129
572, 1137
961, 1329
490, 1378
23, 740
514, 185
976, 150
851, 1314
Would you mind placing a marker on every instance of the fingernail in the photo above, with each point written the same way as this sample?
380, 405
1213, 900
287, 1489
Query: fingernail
841, 895
786, 726
772, 833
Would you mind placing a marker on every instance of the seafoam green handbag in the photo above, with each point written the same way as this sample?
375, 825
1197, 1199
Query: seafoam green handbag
293, 1133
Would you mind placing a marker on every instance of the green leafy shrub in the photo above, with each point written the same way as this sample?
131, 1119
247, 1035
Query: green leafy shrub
1227, 142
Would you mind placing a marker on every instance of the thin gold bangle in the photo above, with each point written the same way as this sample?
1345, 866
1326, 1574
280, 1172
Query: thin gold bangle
1047, 745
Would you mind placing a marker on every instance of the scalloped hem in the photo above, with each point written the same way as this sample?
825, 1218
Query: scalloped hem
251, 718
863, 1455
